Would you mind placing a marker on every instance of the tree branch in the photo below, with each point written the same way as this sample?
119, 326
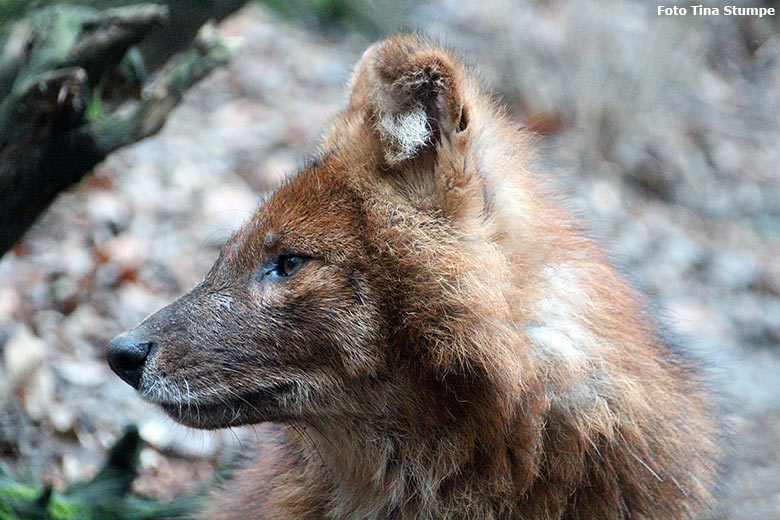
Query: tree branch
56, 122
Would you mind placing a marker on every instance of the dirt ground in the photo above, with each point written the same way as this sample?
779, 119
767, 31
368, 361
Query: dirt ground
663, 132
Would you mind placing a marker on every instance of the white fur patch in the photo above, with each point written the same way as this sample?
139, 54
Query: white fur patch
406, 133
222, 300
560, 330
559, 310
554, 343
575, 354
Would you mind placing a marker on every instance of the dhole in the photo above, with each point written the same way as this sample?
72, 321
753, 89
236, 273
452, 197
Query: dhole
433, 337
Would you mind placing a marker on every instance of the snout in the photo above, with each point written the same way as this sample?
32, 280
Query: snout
126, 355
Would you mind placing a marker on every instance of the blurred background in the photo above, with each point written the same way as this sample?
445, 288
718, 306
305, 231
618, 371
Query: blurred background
663, 133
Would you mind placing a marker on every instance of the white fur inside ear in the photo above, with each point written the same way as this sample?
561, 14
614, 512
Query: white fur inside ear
404, 133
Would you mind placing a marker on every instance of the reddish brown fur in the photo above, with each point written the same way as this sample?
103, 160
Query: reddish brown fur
454, 349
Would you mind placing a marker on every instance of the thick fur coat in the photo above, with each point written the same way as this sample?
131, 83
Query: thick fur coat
430, 332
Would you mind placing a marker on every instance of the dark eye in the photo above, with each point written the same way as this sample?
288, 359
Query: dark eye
283, 266
288, 265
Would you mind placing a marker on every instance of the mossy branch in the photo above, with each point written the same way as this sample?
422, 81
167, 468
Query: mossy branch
61, 90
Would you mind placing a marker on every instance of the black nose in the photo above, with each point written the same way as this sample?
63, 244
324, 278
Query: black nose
126, 356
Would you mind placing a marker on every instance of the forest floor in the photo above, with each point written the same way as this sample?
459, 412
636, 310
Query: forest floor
664, 133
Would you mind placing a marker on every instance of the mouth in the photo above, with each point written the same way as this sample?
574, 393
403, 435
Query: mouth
229, 410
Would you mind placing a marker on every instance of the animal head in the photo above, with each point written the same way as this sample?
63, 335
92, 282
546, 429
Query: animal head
365, 285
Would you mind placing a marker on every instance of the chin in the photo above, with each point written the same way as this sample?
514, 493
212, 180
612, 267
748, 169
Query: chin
224, 411
206, 416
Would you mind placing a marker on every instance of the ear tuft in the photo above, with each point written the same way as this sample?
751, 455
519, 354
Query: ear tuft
405, 133
412, 90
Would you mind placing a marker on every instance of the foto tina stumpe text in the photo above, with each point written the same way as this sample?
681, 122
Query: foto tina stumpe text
701, 10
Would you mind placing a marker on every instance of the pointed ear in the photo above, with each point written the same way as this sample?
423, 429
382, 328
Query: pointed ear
413, 91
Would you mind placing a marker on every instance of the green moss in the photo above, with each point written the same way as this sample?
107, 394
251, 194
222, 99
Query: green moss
107, 496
